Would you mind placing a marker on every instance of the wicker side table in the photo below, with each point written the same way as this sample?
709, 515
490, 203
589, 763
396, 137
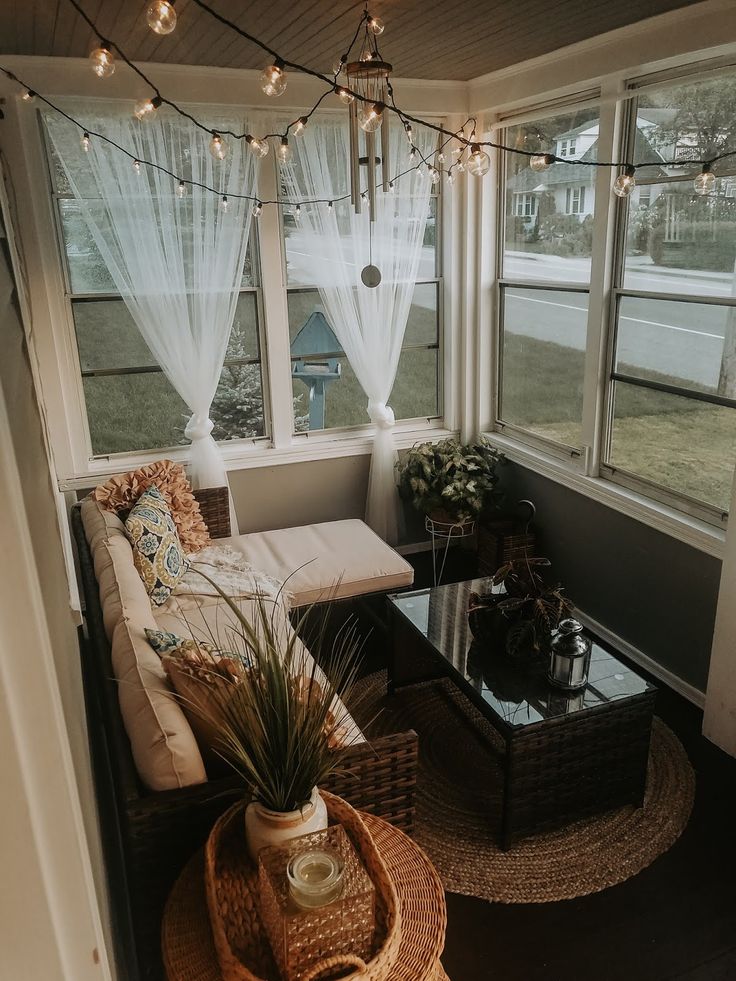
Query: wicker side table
189, 952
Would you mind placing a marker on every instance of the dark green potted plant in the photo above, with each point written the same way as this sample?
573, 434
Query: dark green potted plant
450, 481
522, 619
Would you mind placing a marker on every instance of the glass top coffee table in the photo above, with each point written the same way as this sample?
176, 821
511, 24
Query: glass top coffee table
566, 755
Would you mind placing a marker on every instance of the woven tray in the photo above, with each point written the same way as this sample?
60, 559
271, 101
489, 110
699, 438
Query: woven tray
231, 883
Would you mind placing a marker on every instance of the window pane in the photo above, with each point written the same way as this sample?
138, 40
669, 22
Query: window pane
422, 327
681, 242
87, 270
244, 341
549, 214
237, 409
133, 412
543, 350
686, 446
298, 258
107, 336
678, 343
692, 121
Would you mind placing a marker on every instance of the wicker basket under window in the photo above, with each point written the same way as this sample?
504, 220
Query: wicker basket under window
504, 539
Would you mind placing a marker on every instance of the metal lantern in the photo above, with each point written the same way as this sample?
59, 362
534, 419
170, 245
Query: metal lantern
570, 656
369, 78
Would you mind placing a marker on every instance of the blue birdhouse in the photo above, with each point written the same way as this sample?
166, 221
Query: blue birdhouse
314, 369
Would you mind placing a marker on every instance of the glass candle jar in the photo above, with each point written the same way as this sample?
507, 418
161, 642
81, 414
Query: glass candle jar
315, 877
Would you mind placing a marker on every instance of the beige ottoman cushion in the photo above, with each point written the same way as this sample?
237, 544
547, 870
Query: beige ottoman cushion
333, 560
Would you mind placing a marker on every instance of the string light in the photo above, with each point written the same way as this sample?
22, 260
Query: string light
181, 189
625, 183
223, 204
705, 181
375, 25
161, 17
541, 161
370, 117
273, 78
440, 157
479, 163
300, 125
413, 153
102, 60
146, 107
450, 178
257, 209
460, 167
409, 132
297, 212
339, 65
284, 151
86, 142
258, 148
434, 175
218, 147
364, 195
136, 166
330, 206
28, 96
345, 95
391, 187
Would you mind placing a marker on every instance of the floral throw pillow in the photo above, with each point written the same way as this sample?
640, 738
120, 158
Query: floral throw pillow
157, 550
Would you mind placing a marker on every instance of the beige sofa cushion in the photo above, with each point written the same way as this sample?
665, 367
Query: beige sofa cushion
333, 560
163, 745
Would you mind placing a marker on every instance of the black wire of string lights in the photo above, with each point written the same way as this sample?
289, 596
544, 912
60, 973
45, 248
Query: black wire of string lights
162, 18
183, 182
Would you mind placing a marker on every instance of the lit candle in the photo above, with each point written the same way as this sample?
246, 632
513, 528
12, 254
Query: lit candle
315, 877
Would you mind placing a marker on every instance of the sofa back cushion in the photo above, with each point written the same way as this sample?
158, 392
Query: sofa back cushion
163, 745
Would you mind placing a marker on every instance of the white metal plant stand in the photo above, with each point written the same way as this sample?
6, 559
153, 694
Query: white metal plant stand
445, 532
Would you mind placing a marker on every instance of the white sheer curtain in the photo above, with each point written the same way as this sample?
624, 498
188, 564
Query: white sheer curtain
335, 245
177, 262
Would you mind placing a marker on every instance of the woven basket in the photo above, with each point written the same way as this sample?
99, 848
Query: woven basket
231, 883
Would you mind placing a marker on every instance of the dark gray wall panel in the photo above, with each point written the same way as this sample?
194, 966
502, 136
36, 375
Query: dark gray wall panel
653, 591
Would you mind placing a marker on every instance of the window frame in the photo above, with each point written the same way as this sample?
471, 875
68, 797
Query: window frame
72, 298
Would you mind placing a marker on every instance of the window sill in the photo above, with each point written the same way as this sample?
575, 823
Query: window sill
689, 530
247, 455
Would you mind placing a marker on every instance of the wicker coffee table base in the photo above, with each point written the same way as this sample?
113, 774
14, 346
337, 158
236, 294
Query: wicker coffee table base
189, 952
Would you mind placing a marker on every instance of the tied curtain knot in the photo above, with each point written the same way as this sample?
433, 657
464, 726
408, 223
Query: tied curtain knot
381, 415
198, 427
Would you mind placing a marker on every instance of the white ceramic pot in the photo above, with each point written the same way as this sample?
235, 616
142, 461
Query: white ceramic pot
264, 828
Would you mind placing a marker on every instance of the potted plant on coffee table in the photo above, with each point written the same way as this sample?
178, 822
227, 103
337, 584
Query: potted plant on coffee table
521, 619
449, 481
270, 712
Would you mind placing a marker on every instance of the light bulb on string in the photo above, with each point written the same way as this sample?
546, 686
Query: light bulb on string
440, 157
297, 212
625, 183
409, 132
146, 107
457, 151
376, 25
259, 148
257, 209
450, 178
541, 161
224, 204
370, 117
284, 151
460, 167
28, 96
391, 188
330, 206
345, 95
273, 79
705, 181
86, 142
338, 66
161, 17
413, 153
479, 163
136, 166
300, 125
435, 175
181, 190
364, 195
102, 60
218, 147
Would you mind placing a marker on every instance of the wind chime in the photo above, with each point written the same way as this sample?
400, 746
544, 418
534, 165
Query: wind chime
369, 78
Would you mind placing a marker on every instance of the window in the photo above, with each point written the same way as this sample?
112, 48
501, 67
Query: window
575, 201
327, 395
131, 405
525, 205
544, 277
672, 396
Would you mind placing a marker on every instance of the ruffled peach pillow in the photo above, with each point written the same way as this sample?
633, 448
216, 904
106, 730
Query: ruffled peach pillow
120, 493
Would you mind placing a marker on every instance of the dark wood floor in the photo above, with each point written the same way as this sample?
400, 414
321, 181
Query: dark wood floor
675, 921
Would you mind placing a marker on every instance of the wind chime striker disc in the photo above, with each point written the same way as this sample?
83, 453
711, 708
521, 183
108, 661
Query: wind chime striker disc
371, 276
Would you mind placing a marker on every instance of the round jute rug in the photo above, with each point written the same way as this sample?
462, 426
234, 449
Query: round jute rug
458, 797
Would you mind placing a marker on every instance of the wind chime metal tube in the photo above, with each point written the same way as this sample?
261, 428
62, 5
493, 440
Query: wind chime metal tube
370, 149
354, 159
385, 163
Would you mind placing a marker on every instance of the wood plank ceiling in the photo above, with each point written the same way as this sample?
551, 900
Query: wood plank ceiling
452, 39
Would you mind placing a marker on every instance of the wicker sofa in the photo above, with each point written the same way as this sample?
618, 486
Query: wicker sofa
149, 835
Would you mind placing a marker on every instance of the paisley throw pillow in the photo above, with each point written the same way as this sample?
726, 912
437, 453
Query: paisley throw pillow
157, 551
